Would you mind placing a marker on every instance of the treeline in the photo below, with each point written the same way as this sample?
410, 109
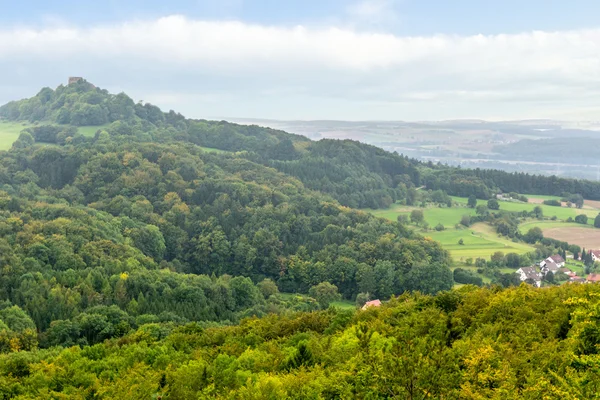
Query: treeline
519, 343
486, 183
355, 174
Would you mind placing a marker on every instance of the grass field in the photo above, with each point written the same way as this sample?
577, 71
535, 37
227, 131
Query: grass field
90, 131
212, 150
480, 240
549, 211
9, 133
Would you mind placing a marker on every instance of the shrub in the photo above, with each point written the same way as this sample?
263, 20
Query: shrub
553, 203
467, 277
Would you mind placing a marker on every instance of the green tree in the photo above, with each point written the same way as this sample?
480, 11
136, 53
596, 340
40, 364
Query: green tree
325, 293
267, 288
472, 201
493, 204
597, 221
417, 217
581, 219
533, 235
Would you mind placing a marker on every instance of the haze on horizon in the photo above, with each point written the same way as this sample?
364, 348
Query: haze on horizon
309, 60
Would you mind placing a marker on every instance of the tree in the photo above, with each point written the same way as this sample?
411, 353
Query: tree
325, 293
581, 219
267, 288
472, 201
402, 218
513, 260
493, 204
417, 217
362, 298
533, 235
597, 221
538, 211
429, 279
462, 242
465, 220
439, 227
481, 210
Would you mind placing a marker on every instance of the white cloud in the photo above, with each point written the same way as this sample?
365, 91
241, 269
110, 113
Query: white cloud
301, 72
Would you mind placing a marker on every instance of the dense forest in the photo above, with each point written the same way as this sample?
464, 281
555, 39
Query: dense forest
470, 343
140, 247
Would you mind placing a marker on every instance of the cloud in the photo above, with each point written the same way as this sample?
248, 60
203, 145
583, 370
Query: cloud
240, 69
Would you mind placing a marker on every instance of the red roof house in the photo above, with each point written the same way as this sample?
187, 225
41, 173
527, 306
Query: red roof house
372, 303
593, 278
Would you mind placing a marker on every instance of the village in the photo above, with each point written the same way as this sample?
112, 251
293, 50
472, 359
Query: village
555, 265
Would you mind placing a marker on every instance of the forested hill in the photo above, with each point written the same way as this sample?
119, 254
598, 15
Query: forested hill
139, 224
355, 174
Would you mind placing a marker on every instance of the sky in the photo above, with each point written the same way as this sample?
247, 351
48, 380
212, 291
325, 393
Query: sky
315, 59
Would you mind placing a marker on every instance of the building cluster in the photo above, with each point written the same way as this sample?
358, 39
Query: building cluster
556, 265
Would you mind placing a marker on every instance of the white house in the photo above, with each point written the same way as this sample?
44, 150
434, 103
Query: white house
526, 273
595, 255
550, 266
556, 259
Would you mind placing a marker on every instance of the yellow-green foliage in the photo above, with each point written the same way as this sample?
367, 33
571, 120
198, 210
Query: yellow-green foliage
518, 343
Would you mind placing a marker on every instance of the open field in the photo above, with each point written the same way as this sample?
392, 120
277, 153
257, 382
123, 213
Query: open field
213, 150
546, 225
479, 240
90, 131
581, 236
9, 133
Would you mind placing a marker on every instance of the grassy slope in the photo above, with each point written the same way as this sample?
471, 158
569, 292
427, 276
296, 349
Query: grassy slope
9, 133
524, 227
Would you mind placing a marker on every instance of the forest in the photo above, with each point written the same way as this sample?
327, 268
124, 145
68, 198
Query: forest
140, 259
469, 343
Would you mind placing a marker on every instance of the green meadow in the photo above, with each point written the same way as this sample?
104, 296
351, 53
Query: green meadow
9, 133
524, 227
213, 150
480, 240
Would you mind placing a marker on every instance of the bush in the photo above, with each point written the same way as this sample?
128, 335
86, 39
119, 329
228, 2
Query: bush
553, 203
581, 219
462, 242
467, 277
439, 227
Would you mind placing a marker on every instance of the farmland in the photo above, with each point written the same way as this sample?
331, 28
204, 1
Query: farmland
481, 240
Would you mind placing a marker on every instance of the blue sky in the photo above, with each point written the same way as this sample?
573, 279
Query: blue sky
416, 17
353, 59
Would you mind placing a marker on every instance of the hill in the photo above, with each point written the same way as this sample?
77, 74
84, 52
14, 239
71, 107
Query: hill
139, 224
